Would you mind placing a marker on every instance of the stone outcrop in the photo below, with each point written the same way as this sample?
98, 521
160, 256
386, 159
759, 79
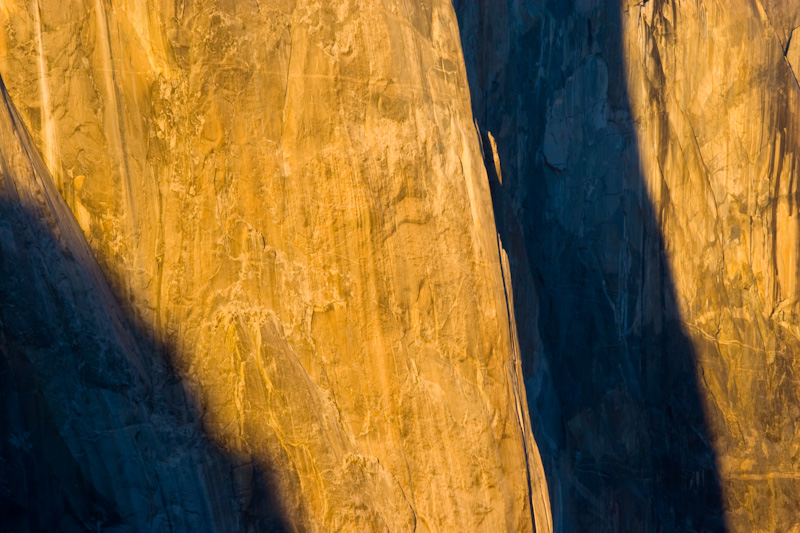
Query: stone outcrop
649, 207
290, 199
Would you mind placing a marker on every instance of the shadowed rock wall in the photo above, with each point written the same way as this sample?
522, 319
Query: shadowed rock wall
291, 204
648, 204
96, 433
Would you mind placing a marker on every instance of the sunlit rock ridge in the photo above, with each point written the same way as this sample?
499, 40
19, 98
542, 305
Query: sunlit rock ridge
399, 265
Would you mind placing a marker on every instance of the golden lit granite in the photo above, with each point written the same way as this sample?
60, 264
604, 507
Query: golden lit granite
717, 108
291, 197
96, 432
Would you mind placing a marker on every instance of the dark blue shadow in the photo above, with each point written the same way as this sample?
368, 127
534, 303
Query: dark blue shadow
610, 373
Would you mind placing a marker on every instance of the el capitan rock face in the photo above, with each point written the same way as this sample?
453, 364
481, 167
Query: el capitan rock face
97, 433
303, 318
719, 141
649, 207
290, 197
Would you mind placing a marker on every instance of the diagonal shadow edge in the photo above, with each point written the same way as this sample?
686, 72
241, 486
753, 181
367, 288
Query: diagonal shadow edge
101, 430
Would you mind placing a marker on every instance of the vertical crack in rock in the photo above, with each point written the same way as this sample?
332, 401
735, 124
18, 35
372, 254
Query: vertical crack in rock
537, 483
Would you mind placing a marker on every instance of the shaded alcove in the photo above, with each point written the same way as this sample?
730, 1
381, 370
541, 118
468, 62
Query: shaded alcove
610, 372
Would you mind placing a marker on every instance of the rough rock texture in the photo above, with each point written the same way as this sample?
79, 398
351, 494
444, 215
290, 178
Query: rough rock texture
290, 201
96, 433
719, 154
290, 198
649, 205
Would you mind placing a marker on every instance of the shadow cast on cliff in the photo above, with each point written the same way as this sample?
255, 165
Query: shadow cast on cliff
43, 486
49, 357
252, 479
611, 374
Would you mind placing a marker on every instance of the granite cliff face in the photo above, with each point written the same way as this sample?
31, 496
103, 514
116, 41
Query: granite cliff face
290, 199
280, 300
97, 433
719, 158
648, 204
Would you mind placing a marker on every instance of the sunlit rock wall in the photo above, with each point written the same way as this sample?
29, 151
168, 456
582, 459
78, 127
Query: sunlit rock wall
716, 98
649, 207
290, 198
96, 433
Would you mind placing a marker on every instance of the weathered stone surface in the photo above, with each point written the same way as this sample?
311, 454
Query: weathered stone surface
96, 433
719, 141
649, 207
291, 197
